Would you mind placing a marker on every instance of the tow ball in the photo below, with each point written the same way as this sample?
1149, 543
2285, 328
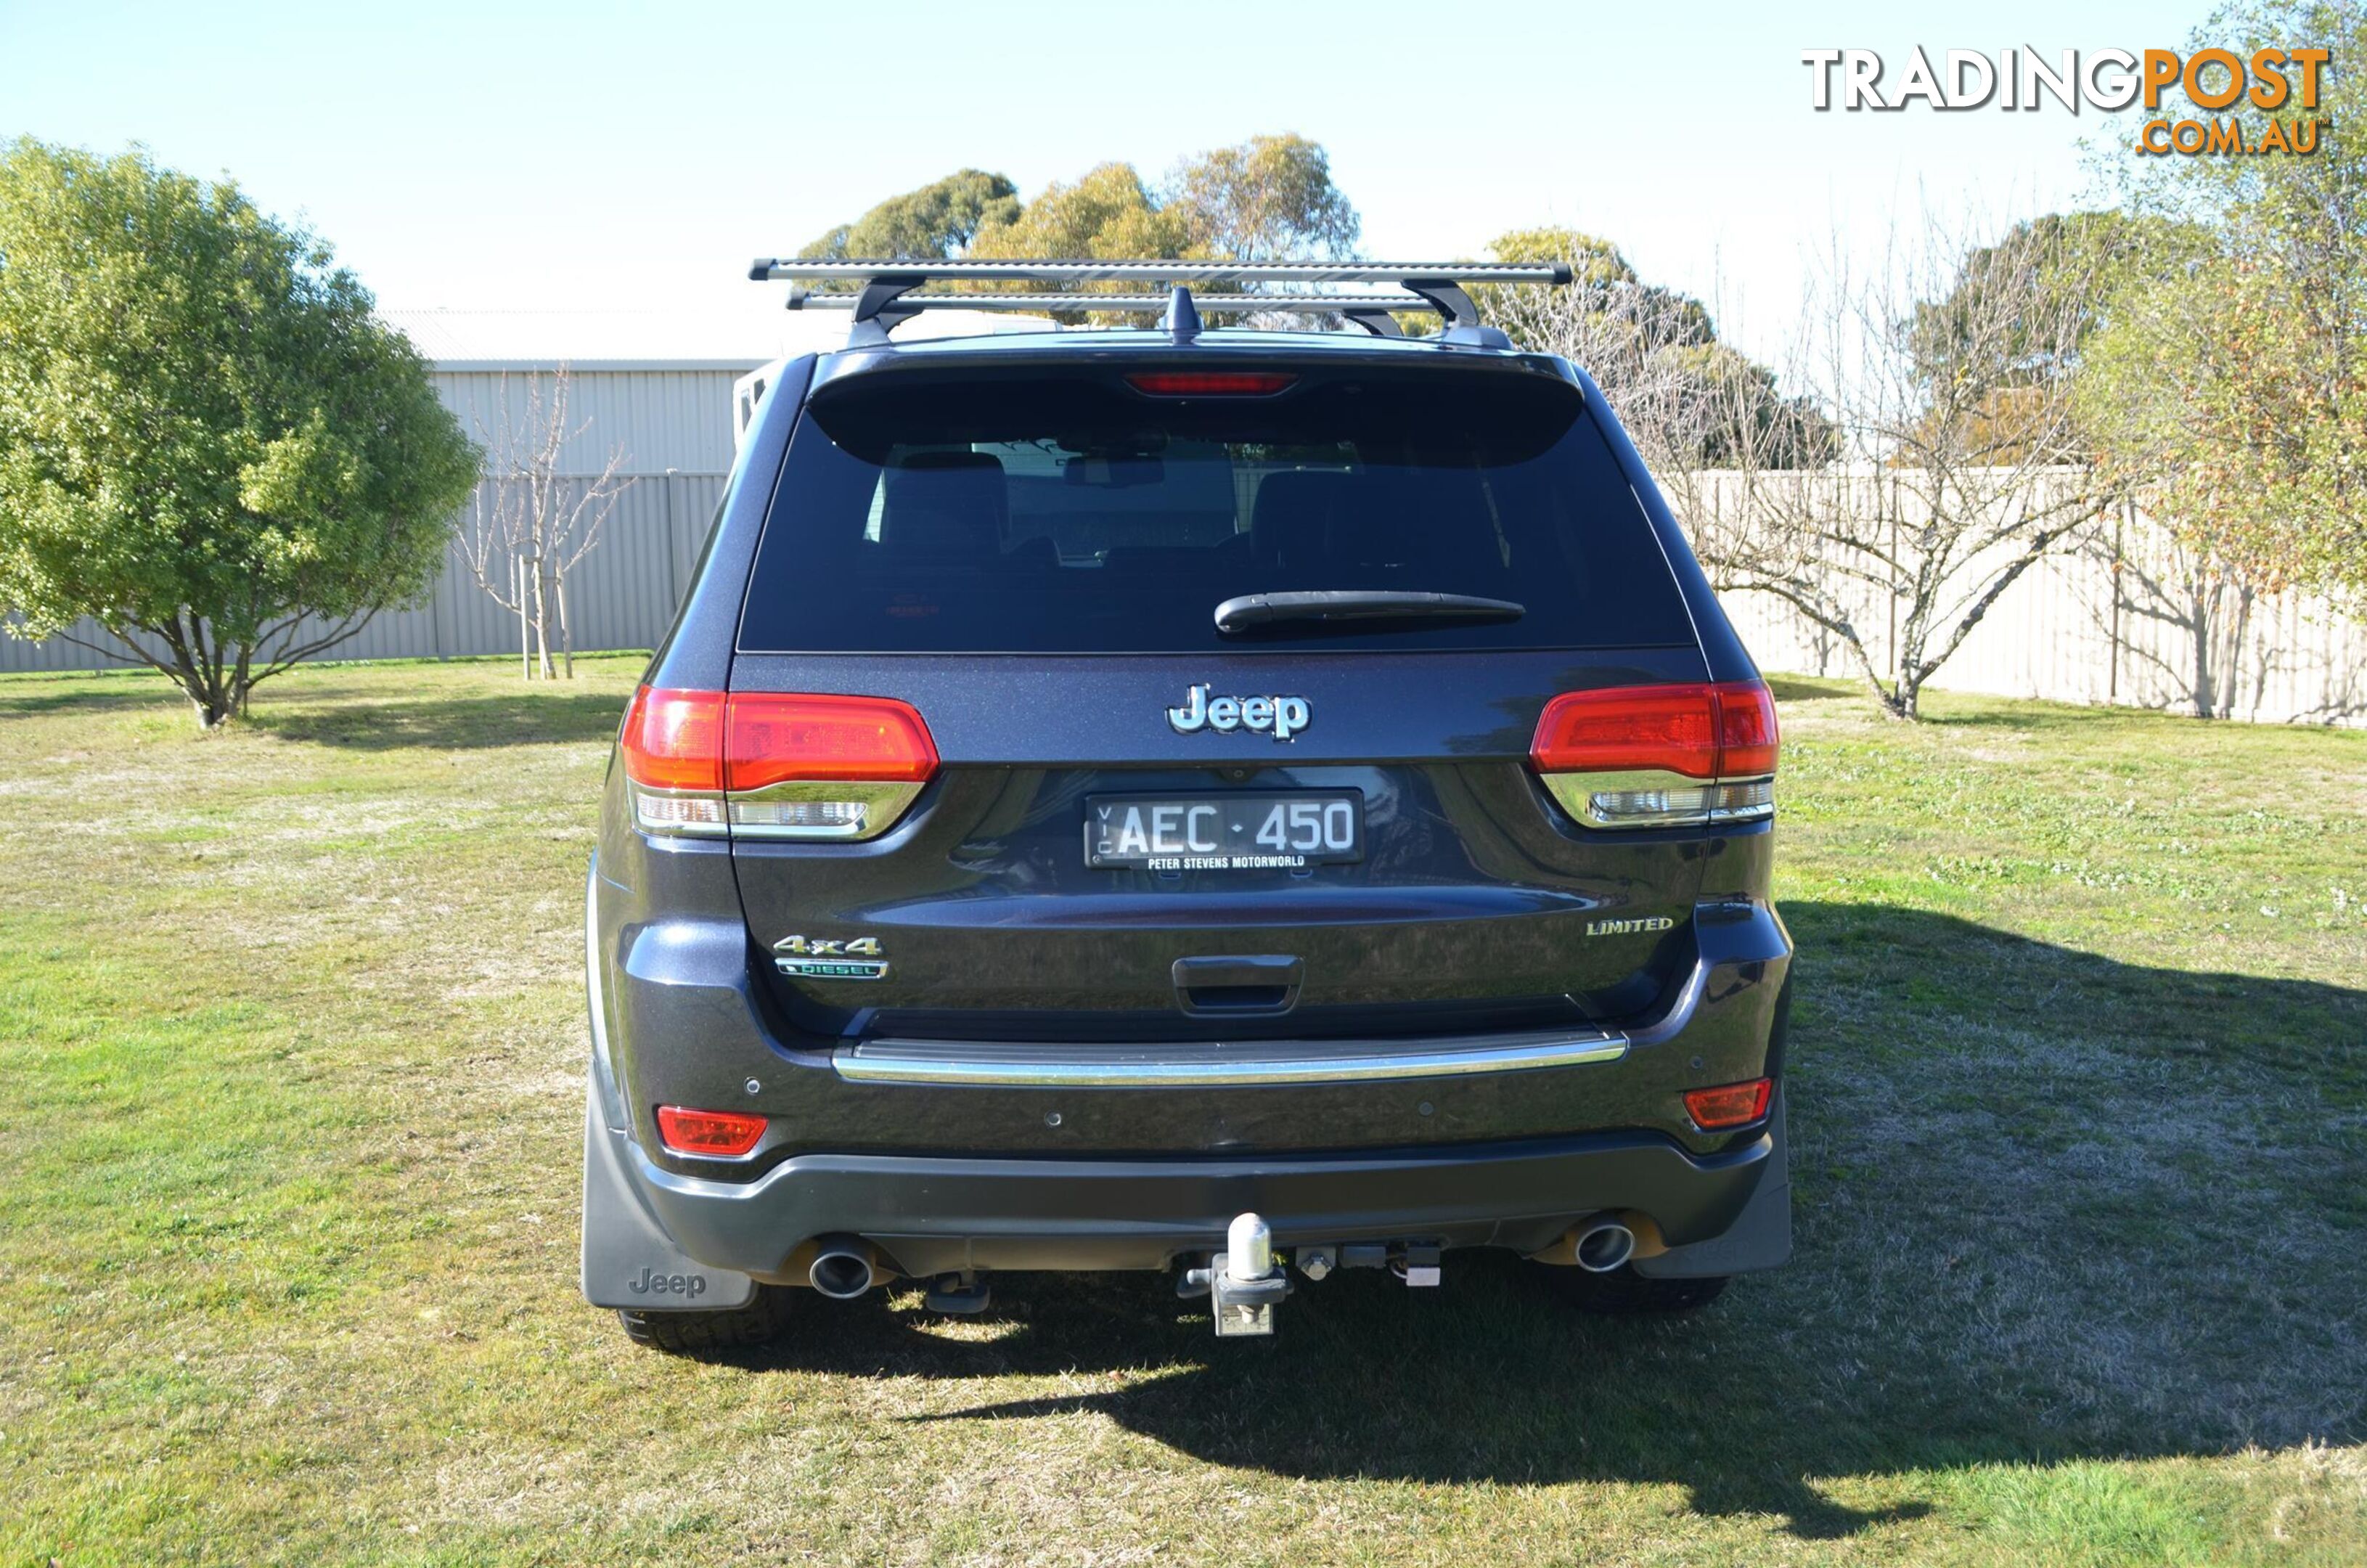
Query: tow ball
1244, 1282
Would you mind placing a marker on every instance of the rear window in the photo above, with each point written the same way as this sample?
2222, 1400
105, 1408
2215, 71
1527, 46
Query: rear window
1068, 513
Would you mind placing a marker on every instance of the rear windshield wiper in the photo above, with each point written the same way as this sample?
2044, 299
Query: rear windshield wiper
1357, 609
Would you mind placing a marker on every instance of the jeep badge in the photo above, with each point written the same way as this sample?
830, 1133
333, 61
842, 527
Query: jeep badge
1281, 717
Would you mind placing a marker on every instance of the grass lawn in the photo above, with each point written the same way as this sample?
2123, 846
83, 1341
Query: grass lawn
291, 1062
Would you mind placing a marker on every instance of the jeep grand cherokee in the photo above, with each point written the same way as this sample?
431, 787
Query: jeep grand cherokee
1234, 801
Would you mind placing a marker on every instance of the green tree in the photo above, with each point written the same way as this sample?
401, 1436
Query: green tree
935, 222
1270, 199
2229, 376
1106, 214
208, 443
2018, 322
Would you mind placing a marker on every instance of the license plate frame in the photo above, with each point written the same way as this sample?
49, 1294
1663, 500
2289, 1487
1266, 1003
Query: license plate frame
1309, 841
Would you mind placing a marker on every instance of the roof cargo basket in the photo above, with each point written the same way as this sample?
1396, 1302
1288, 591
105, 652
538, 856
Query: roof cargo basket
884, 294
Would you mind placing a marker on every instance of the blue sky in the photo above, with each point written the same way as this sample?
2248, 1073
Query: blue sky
606, 156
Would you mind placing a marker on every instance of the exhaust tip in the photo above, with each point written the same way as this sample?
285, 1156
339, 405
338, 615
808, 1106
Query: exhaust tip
841, 1268
1604, 1246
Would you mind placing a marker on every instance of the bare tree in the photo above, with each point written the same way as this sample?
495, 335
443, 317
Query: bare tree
531, 522
1946, 373
1690, 403
2202, 601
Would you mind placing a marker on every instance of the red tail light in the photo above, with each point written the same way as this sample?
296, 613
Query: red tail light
771, 765
1660, 755
1670, 728
674, 740
1210, 383
1729, 1105
1700, 731
769, 738
1747, 738
710, 1134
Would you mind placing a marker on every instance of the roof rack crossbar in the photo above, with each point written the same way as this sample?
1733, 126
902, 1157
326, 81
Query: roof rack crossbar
776, 268
883, 296
1294, 304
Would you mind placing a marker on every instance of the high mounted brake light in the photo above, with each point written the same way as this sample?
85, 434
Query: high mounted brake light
773, 765
1211, 383
1660, 755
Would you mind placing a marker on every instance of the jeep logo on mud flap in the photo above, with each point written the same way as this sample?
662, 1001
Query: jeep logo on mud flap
652, 1283
1281, 717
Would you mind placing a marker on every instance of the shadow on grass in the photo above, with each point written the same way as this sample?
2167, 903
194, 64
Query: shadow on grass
2049, 1207
356, 717
93, 691
439, 720
1810, 688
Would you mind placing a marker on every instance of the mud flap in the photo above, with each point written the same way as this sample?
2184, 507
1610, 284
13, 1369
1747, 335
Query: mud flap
629, 1259
1761, 1236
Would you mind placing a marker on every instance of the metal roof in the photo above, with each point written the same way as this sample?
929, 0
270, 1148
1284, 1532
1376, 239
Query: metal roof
737, 340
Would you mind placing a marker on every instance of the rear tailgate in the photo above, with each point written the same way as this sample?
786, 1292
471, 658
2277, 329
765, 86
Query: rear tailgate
1031, 559
1469, 908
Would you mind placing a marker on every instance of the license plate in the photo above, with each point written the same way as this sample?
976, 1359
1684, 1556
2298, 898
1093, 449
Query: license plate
1252, 831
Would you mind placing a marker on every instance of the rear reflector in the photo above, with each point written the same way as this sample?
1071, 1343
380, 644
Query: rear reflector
710, 1134
1660, 755
1729, 1105
1210, 383
773, 765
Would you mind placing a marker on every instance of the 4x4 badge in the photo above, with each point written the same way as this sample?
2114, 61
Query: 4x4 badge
1281, 717
820, 959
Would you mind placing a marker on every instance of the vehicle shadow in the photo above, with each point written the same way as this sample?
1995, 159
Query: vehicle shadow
2048, 1206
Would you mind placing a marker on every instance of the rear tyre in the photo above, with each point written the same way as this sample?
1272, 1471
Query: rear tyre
761, 1321
1623, 1292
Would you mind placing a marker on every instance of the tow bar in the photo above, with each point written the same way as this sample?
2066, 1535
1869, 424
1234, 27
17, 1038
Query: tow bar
1244, 1282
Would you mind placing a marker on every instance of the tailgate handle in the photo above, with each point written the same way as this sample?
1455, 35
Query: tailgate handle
1257, 983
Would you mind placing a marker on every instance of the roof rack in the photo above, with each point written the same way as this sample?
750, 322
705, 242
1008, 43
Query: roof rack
885, 297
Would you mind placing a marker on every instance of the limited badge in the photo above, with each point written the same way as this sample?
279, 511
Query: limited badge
1635, 923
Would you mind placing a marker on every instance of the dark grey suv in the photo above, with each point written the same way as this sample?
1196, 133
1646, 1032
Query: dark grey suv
1241, 803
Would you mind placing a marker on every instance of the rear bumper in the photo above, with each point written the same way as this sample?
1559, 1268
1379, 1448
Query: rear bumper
644, 1226
932, 1215
687, 1025
711, 1237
